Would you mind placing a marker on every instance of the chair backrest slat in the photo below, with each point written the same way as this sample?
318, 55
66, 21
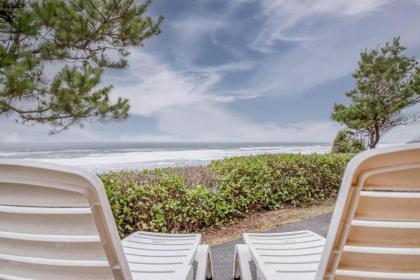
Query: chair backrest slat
21, 194
56, 223
375, 227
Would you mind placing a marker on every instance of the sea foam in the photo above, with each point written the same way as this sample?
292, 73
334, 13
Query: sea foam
103, 159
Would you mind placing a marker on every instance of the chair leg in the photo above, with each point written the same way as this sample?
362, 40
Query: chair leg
258, 275
241, 268
204, 263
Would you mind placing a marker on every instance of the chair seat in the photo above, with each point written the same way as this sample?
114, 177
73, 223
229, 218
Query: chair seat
161, 256
290, 255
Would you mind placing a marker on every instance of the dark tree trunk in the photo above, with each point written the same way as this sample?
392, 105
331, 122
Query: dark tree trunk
370, 139
374, 138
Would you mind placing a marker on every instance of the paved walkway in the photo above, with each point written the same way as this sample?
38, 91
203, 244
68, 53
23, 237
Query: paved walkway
222, 255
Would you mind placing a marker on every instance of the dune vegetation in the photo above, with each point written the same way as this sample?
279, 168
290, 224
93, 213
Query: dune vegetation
192, 199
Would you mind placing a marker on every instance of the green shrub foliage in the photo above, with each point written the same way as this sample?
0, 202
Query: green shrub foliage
167, 200
346, 141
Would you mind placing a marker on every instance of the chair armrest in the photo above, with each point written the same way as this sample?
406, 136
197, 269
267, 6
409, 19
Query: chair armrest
204, 264
241, 268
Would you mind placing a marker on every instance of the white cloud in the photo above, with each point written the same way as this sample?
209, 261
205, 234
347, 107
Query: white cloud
406, 133
9, 136
209, 122
187, 101
193, 27
326, 53
189, 32
153, 86
157, 87
186, 109
402, 134
283, 15
14, 132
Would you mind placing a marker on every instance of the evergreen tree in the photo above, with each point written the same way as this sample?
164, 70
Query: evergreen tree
387, 82
53, 52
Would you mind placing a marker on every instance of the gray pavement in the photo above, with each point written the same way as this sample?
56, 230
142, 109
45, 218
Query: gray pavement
222, 255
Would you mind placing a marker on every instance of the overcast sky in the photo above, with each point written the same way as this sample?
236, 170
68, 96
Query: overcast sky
245, 70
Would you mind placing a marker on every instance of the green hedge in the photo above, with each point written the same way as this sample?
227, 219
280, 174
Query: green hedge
196, 198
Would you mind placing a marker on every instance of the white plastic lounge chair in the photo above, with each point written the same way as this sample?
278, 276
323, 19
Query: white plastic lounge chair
56, 223
374, 232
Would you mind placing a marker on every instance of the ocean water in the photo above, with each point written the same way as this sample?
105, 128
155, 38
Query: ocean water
101, 157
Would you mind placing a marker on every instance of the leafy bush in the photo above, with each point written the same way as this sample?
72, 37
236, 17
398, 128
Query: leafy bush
196, 198
347, 142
